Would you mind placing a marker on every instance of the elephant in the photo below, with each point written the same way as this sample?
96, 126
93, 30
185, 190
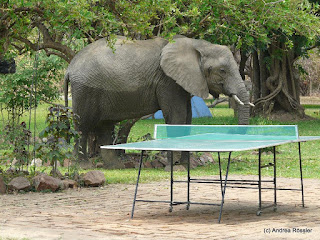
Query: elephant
139, 77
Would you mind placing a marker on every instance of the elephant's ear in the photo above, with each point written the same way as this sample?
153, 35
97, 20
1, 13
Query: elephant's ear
181, 61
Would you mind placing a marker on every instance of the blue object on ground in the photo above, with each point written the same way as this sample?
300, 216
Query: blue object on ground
199, 109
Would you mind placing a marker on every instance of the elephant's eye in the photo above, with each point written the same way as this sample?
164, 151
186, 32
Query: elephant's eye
209, 71
222, 71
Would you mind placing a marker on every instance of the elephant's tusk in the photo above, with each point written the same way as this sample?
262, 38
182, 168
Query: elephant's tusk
237, 99
251, 104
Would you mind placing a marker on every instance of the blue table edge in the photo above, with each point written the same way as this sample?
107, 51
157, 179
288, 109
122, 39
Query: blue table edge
126, 146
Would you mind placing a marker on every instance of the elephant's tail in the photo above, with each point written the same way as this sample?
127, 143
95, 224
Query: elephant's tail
66, 86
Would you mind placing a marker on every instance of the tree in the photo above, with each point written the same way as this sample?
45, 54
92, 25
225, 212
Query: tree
67, 26
62, 28
17, 97
273, 33
310, 67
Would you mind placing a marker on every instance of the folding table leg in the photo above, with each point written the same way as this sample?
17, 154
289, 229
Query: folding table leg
137, 184
274, 179
224, 187
301, 177
171, 181
259, 185
220, 174
188, 191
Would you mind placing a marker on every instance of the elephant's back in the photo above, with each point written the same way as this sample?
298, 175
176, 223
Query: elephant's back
97, 63
116, 86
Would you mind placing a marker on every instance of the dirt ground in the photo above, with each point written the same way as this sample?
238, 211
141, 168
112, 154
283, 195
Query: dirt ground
104, 213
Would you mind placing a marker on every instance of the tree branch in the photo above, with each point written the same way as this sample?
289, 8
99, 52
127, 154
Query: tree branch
205, 18
48, 42
59, 54
273, 93
271, 3
65, 52
312, 47
217, 101
23, 9
45, 32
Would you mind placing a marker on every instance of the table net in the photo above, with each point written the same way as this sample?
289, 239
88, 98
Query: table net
225, 133
215, 138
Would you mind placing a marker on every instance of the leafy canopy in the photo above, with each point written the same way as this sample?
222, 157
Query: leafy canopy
66, 26
249, 23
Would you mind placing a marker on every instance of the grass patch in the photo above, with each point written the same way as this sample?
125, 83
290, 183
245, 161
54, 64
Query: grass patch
307, 106
243, 163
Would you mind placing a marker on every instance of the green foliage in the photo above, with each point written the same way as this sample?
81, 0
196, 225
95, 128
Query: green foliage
249, 24
17, 90
17, 138
66, 26
17, 97
56, 137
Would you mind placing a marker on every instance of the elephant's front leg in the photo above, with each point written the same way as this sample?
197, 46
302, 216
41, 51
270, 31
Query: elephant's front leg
174, 102
181, 157
178, 111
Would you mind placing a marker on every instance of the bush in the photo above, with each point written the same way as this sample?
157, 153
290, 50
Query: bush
56, 144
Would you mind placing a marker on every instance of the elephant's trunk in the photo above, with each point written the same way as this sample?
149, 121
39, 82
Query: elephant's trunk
244, 105
236, 89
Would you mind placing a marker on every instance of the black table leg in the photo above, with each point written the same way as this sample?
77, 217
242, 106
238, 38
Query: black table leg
259, 185
301, 177
274, 179
220, 174
188, 192
171, 181
224, 187
137, 184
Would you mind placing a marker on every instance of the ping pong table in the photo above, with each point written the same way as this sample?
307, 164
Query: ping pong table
219, 139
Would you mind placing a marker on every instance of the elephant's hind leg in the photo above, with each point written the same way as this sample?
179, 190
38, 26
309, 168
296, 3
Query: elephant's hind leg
110, 158
82, 152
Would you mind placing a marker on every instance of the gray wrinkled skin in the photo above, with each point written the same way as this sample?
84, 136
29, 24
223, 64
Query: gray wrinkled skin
143, 76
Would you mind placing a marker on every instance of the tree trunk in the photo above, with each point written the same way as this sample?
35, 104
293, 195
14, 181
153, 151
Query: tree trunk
277, 88
255, 78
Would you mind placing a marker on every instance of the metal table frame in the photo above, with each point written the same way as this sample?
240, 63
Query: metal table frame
249, 184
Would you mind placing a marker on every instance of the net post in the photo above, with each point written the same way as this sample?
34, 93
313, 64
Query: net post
155, 131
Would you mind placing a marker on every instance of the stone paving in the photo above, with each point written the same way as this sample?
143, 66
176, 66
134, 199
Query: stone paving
104, 213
